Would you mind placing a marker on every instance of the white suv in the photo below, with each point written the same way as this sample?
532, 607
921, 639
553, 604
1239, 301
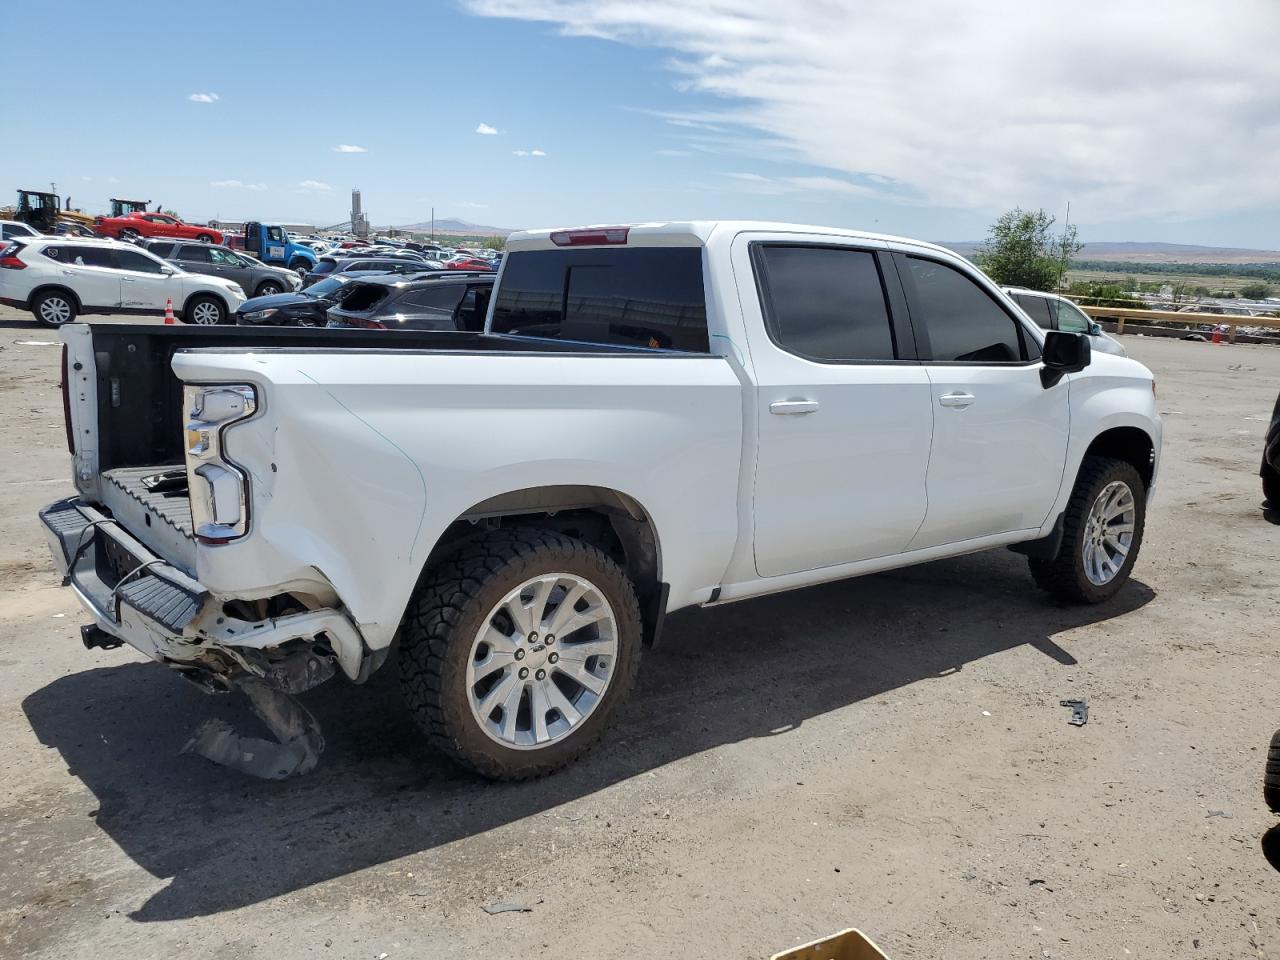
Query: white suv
58, 278
1052, 312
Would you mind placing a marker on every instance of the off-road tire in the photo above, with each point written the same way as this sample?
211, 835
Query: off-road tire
45, 316
442, 621
1064, 576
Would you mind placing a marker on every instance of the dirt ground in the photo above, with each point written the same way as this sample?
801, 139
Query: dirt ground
887, 753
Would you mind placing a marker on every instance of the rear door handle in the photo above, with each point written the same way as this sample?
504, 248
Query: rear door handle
956, 400
784, 408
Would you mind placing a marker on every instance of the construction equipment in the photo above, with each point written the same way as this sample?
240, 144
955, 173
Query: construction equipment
122, 208
43, 211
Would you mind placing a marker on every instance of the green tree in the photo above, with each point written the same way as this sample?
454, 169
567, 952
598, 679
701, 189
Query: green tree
1255, 291
1022, 250
494, 243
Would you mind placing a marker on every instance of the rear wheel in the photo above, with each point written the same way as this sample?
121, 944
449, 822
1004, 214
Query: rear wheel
129, 235
204, 311
515, 654
54, 308
1102, 533
205, 238
268, 288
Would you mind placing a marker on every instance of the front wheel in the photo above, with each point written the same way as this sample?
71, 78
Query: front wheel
205, 312
1102, 534
515, 654
1271, 486
268, 288
300, 267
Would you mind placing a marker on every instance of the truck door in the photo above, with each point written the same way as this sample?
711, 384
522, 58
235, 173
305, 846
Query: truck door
999, 437
843, 408
253, 239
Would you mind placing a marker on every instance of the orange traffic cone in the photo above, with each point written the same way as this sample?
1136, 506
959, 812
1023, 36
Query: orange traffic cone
1217, 333
168, 311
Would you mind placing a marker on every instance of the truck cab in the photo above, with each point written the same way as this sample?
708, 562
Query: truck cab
270, 243
122, 208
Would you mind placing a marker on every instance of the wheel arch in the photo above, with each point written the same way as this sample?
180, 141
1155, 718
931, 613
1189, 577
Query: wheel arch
1130, 444
60, 288
206, 294
607, 518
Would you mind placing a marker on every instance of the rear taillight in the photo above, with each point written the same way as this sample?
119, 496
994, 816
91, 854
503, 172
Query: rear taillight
11, 262
365, 322
66, 404
595, 237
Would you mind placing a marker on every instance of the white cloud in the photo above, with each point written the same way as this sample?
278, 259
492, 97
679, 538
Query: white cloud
537, 153
349, 148
673, 153
203, 97
521, 153
473, 206
979, 107
487, 130
529, 153
237, 185
316, 185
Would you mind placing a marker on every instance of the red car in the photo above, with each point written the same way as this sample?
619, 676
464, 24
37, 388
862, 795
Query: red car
153, 225
468, 263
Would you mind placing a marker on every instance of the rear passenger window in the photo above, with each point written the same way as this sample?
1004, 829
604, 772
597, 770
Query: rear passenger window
965, 324
1037, 309
825, 303
80, 256
192, 251
639, 296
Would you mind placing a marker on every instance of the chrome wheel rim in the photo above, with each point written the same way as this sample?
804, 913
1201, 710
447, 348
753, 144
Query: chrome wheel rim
1108, 534
268, 290
205, 314
55, 311
542, 661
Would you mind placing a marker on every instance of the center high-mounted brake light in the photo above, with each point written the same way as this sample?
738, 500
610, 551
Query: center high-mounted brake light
600, 236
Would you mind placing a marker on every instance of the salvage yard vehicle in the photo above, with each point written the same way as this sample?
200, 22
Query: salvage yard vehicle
301, 308
44, 211
13, 230
445, 300
331, 265
255, 278
122, 208
1052, 312
136, 226
270, 243
655, 417
60, 278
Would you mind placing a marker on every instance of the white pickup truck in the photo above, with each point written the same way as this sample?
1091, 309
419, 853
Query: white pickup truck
657, 416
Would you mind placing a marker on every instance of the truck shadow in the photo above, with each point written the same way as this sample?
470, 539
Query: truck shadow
754, 669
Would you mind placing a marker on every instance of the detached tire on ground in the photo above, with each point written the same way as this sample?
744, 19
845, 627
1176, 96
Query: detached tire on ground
1102, 534
1271, 778
516, 652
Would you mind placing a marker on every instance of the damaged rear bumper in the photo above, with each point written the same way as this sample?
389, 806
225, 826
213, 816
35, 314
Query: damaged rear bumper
144, 601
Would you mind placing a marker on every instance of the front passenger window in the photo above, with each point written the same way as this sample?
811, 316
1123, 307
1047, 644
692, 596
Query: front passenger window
965, 324
1071, 318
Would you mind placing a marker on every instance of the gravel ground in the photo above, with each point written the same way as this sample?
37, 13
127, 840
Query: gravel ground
886, 753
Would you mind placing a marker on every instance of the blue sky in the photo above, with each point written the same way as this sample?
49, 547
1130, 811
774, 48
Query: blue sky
903, 118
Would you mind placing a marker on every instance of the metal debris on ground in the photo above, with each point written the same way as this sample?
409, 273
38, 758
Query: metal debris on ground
495, 908
1079, 711
299, 740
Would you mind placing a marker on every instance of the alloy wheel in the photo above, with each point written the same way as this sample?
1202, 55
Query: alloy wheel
206, 314
1108, 533
55, 311
542, 661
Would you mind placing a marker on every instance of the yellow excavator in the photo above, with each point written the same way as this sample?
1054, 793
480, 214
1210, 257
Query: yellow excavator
44, 211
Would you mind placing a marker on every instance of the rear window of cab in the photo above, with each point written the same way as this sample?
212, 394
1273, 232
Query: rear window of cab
635, 296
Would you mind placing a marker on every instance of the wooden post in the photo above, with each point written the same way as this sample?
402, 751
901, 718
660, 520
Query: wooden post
1231, 333
1120, 324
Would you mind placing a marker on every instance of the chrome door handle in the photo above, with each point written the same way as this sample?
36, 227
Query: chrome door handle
785, 408
126, 279
956, 400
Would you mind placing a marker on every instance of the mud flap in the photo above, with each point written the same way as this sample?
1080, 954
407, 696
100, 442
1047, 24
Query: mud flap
299, 740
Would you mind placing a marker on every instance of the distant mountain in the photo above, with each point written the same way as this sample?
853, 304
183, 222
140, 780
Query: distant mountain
1149, 252
454, 225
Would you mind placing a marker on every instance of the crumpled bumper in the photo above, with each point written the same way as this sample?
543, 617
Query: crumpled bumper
145, 601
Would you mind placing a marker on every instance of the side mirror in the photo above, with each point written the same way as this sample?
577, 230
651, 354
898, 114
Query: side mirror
1095, 329
1063, 353
168, 271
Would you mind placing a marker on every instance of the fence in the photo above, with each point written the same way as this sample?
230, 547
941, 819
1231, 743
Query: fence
1229, 320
